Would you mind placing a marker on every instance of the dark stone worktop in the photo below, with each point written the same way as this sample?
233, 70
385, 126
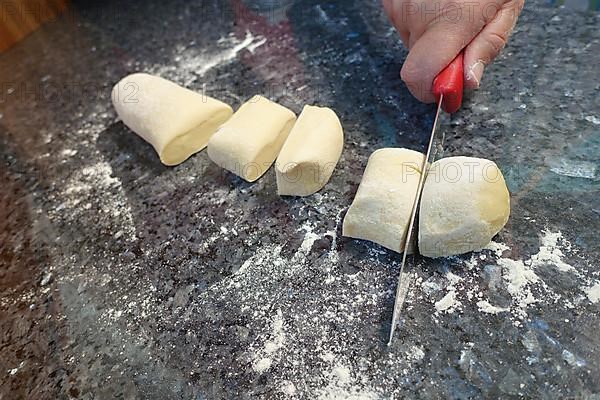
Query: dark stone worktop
122, 278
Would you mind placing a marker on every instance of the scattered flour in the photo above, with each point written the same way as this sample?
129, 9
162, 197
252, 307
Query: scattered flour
517, 275
521, 278
191, 62
550, 253
204, 63
342, 373
279, 347
262, 365
256, 44
244, 266
572, 359
68, 152
343, 385
447, 303
497, 248
574, 168
416, 353
486, 307
472, 263
328, 356
593, 119
95, 184
288, 388
264, 358
453, 278
309, 240
260, 256
593, 293
14, 371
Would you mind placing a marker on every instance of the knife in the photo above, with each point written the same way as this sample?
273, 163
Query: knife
448, 91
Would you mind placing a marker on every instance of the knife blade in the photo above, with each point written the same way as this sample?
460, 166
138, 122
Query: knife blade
448, 90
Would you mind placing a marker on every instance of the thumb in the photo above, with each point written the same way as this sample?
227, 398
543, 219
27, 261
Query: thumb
484, 48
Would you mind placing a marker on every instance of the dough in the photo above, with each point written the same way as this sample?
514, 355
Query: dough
250, 141
310, 153
176, 121
383, 204
465, 202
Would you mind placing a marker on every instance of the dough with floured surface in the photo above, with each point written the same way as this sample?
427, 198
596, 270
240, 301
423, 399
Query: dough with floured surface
176, 121
310, 152
465, 202
249, 142
383, 205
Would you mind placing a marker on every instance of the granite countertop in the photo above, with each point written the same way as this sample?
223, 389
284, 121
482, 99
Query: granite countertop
122, 278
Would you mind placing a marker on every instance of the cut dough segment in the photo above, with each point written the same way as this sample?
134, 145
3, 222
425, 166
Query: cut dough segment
310, 153
465, 203
383, 204
250, 141
176, 121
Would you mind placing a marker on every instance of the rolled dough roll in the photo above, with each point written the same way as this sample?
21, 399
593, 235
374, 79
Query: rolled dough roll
250, 141
310, 153
176, 121
383, 204
465, 203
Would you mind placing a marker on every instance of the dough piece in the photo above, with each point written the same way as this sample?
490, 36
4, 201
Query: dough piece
465, 202
310, 153
250, 141
176, 121
383, 204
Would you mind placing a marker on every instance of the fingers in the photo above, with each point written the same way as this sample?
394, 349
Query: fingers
433, 51
388, 6
481, 28
489, 42
392, 8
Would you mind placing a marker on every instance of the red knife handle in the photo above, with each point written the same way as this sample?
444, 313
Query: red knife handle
449, 82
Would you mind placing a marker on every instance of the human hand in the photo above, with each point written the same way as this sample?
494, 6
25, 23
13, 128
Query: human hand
435, 31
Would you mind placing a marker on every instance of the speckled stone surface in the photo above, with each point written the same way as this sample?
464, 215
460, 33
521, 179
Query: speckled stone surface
122, 278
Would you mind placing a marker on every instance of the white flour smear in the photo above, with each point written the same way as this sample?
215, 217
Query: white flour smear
265, 356
519, 277
486, 307
526, 287
275, 277
550, 252
193, 62
343, 385
593, 119
280, 348
95, 188
449, 303
575, 169
593, 293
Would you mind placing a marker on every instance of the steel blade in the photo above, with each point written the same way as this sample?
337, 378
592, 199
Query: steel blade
402, 290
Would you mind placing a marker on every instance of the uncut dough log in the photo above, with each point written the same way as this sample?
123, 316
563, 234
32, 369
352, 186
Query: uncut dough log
381, 209
465, 202
250, 141
176, 121
310, 153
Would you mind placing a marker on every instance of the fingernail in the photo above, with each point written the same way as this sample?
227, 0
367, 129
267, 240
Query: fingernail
476, 72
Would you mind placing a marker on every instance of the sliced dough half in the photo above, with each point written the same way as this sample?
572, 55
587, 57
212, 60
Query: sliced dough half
465, 202
383, 204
